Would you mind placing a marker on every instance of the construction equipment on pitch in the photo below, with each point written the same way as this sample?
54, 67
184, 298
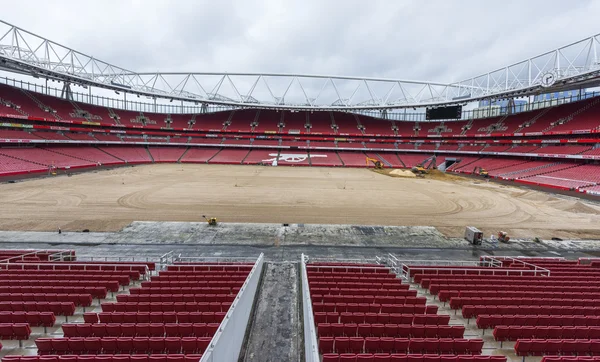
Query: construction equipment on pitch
478, 170
212, 221
423, 168
378, 164
503, 237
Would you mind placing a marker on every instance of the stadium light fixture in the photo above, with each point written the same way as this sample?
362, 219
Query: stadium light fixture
117, 92
171, 100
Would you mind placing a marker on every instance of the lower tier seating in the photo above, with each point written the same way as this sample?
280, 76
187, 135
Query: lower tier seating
399, 345
122, 345
540, 347
109, 358
399, 357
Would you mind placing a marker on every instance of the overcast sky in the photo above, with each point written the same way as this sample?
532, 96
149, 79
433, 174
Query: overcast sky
424, 40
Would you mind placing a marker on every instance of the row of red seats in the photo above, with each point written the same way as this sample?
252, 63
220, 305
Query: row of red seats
166, 307
486, 321
20, 331
380, 299
371, 308
540, 347
543, 299
384, 274
108, 358
58, 308
393, 318
184, 290
389, 330
112, 345
140, 329
151, 265
470, 311
524, 294
363, 291
79, 265
357, 283
458, 302
203, 283
34, 319
156, 298
397, 357
154, 317
82, 300
507, 280
570, 358
96, 292
313, 269
210, 268
132, 270
216, 276
399, 345
512, 333
74, 280
179, 285
454, 290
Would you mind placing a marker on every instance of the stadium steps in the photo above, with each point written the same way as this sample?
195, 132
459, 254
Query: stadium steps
385, 162
359, 125
228, 121
13, 106
500, 122
114, 116
459, 166
532, 120
215, 155
469, 125
192, 120
41, 105
399, 159
183, 154
394, 128
110, 154
332, 124
256, 121
343, 164
149, 154
244, 159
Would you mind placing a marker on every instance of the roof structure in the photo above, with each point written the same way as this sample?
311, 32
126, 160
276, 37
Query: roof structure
572, 66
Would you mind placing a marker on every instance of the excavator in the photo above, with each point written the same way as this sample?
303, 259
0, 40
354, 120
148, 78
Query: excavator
478, 170
378, 164
423, 168
212, 221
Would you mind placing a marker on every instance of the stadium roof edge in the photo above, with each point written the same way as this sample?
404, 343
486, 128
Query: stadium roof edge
568, 67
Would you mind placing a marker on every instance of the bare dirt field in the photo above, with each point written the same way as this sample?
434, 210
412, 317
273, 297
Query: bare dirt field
110, 200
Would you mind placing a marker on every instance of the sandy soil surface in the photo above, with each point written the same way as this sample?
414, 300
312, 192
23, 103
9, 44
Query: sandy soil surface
110, 200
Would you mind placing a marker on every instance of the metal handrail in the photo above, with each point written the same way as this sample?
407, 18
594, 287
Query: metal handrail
214, 352
311, 347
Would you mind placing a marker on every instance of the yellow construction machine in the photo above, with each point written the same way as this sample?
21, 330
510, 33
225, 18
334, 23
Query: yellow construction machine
480, 171
378, 164
212, 221
423, 167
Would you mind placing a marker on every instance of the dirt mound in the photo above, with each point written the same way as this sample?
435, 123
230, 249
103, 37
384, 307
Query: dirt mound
397, 172
581, 208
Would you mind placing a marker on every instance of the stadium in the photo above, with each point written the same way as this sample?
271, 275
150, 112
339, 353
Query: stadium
206, 216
